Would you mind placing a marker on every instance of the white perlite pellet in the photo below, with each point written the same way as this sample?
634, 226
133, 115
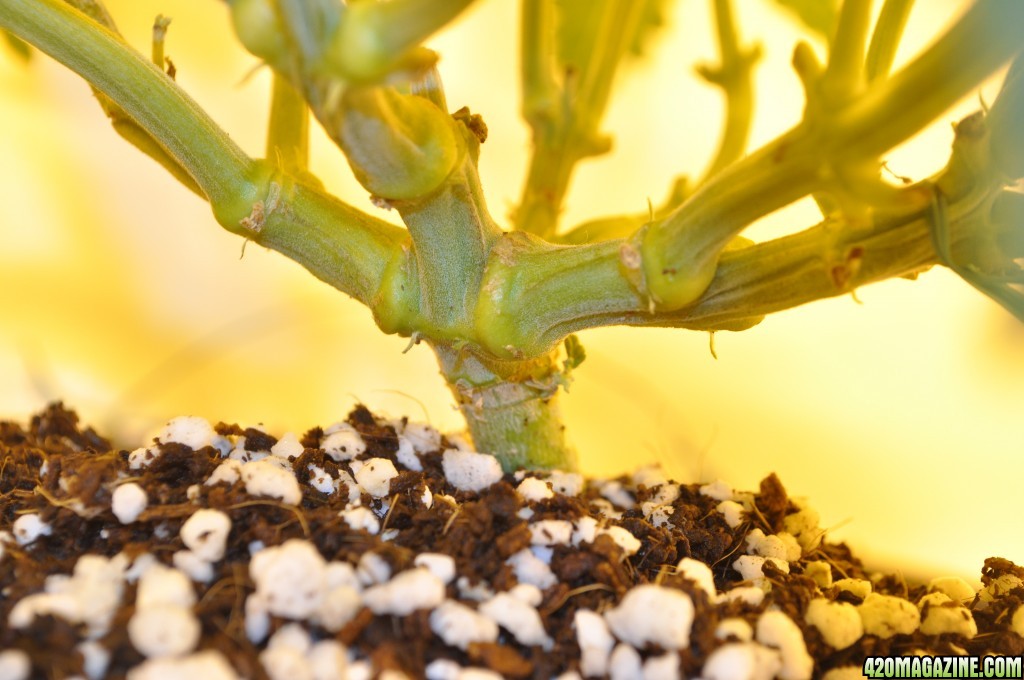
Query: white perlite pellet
163, 585
257, 619
375, 476
629, 543
292, 636
372, 569
440, 565
285, 663
142, 457
360, 518
320, 480
617, 494
340, 573
469, 471
943, 615
192, 431
804, 525
783, 546
406, 455
339, 606
775, 629
625, 663
887, 615
996, 588
532, 489
585, 530
518, 618
1017, 622
528, 568
732, 512
90, 596
161, 630
29, 527
566, 483
718, 490
658, 515
127, 502
595, 642
749, 595
651, 613
459, 626
208, 664
344, 443
820, 572
662, 667
838, 622
408, 591
228, 472
442, 669
425, 438
14, 664
95, 659
530, 594
290, 578
205, 533
198, 569
550, 532
265, 478
700, 574
954, 587
328, 660
734, 628
287, 447
855, 586
742, 661
751, 567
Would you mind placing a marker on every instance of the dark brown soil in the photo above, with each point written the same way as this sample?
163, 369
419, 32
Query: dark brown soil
66, 474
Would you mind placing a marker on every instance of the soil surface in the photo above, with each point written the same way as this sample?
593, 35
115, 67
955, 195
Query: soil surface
570, 554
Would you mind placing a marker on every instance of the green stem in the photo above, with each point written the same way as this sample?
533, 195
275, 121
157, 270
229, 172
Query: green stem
216, 163
570, 132
680, 254
537, 61
452, 233
337, 243
374, 37
735, 76
886, 38
288, 131
540, 293
844, 75
892, 110
511, 407
160, 25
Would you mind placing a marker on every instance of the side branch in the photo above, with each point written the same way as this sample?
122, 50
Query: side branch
538, 293
337, 243
680, 254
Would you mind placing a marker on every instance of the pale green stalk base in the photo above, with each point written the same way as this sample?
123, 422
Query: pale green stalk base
511, 407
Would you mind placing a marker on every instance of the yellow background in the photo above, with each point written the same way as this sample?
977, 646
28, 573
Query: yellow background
900, 417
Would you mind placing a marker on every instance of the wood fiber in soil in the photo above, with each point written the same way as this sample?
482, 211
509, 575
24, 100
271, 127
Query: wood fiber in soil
67, 473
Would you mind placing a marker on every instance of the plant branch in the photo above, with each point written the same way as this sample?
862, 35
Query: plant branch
735, 76
679, 254
539, 293
566, 131
886, 38
844, 75
337, 243
288, 131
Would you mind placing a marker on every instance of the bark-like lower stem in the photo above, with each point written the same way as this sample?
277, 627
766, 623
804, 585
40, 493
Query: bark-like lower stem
511, 407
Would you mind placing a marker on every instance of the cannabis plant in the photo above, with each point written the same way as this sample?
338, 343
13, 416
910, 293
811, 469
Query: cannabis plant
500, 304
